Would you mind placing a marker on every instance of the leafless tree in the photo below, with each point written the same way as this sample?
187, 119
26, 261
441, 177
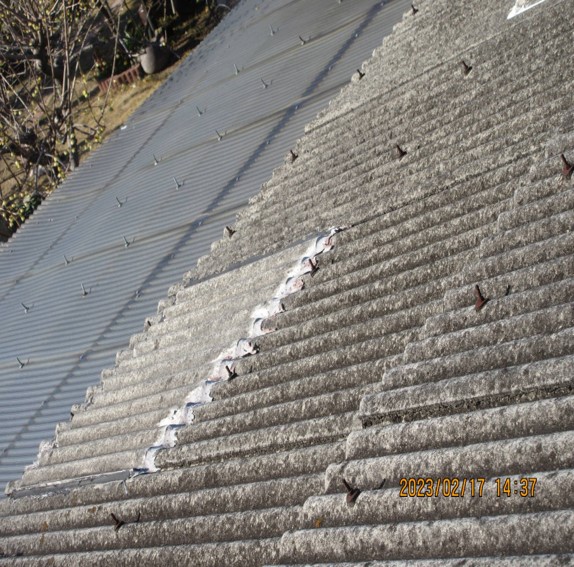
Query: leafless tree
42, 47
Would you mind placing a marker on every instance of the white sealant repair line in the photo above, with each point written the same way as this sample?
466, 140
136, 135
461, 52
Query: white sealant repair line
522, 6
223, 365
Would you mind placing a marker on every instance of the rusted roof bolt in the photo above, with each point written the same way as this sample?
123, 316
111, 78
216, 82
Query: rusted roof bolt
567, 167
352, 493
400, 153
231, 374
466, 68
481, 301
118, 523
314, 265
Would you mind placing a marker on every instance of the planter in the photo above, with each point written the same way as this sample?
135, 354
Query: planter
155, 58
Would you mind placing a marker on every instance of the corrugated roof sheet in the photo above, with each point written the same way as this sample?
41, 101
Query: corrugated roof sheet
412, 401
66, 338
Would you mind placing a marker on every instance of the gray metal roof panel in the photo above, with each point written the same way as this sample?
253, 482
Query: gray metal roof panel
69, 338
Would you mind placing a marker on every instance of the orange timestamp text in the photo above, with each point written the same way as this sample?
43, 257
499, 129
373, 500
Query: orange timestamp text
460, 487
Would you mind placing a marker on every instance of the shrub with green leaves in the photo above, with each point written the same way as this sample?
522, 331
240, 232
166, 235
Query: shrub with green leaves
17, 207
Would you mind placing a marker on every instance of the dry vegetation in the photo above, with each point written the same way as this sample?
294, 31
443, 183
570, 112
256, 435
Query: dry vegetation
54, 56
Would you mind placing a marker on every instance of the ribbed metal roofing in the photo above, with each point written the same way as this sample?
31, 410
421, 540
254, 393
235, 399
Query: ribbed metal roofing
124, 228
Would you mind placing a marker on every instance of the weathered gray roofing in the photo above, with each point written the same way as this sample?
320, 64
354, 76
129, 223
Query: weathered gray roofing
65, 339
387, 364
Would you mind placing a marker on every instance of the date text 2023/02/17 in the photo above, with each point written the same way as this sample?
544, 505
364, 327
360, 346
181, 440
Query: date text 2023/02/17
414, 487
